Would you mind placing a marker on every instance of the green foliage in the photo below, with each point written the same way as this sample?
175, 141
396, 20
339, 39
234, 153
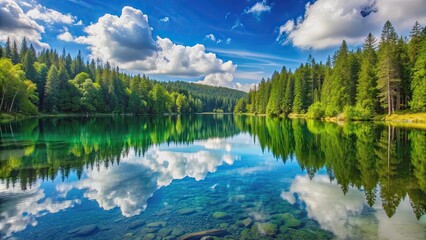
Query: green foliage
418, 84
316, 111
17, 93
162, 101
241, 105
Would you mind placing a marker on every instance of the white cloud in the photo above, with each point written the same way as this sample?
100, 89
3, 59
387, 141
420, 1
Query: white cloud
211, 37
258, 8
127, 41
50, 16
228, 40
327, 22
347, 215
225, 80
66, 36
237, 24
79, 23
16, 25
165, 19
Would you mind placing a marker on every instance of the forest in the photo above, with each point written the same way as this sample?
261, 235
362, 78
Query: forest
49, 82
383, 77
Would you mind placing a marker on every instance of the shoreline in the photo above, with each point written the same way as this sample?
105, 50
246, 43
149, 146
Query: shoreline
404, 120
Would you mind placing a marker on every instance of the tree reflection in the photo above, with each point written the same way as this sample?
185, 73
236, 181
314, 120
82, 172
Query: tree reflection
40, 149
366, 156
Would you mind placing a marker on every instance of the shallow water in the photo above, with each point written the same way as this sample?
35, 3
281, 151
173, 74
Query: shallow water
162, 178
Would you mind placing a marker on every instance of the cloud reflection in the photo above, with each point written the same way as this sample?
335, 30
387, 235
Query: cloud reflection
22, 208
348, 216
129, 185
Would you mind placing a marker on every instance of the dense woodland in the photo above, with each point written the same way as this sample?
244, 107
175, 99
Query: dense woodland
50, 82
382, 77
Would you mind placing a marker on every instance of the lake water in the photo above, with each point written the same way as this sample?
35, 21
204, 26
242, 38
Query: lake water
250, 177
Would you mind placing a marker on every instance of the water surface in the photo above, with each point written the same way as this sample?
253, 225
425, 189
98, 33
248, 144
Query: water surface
164, 177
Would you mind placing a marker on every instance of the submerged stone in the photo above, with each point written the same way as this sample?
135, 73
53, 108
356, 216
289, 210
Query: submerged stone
136, 224
84, 231
149, 236
186, 211
156, 224
199, 235
221, 215
247, 222
164, 232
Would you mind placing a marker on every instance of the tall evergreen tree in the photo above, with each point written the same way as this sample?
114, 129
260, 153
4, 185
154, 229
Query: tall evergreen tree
287, 103
418, 84
367, 81
8, 49
51, 90
273, 107
15, 54
388, 73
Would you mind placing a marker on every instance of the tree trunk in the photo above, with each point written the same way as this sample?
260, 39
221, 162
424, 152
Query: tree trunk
389, 95
13, 100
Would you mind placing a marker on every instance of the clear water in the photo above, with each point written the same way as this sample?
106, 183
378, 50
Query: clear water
254, 178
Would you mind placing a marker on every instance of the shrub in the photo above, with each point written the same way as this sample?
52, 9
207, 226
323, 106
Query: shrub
316, 111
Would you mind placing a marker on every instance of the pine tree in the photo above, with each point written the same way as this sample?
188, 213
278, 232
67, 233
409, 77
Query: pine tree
28, 60
23, 50
367, 81
418, 84
300, 89
387, 72
287, 103
8, 49
51, 90
273, 107
15, 54
340, 80
414, 44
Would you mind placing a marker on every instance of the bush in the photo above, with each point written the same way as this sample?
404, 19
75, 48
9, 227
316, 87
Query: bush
331, 111
316, 111
363, 111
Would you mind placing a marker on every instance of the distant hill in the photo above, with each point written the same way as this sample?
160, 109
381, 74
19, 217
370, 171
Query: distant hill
212, 97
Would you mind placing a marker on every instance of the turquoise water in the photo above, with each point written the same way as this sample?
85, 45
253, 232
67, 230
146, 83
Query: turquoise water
252, 178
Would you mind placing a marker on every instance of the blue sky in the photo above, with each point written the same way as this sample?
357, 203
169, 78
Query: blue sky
217, 42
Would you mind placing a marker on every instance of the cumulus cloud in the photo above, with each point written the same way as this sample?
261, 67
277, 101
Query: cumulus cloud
347, 215
66, 36
79, 23
120, 40
50, 16
327, 22
228, 40
258, 8
165, 19
16, 25
130, 184
127, 41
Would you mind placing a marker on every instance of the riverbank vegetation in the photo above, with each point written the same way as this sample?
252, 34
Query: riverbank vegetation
52, 83
383, 77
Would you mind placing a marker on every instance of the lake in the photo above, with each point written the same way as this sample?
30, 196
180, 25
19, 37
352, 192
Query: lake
128, 177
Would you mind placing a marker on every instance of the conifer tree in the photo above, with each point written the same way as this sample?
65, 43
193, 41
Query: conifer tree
387, 70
